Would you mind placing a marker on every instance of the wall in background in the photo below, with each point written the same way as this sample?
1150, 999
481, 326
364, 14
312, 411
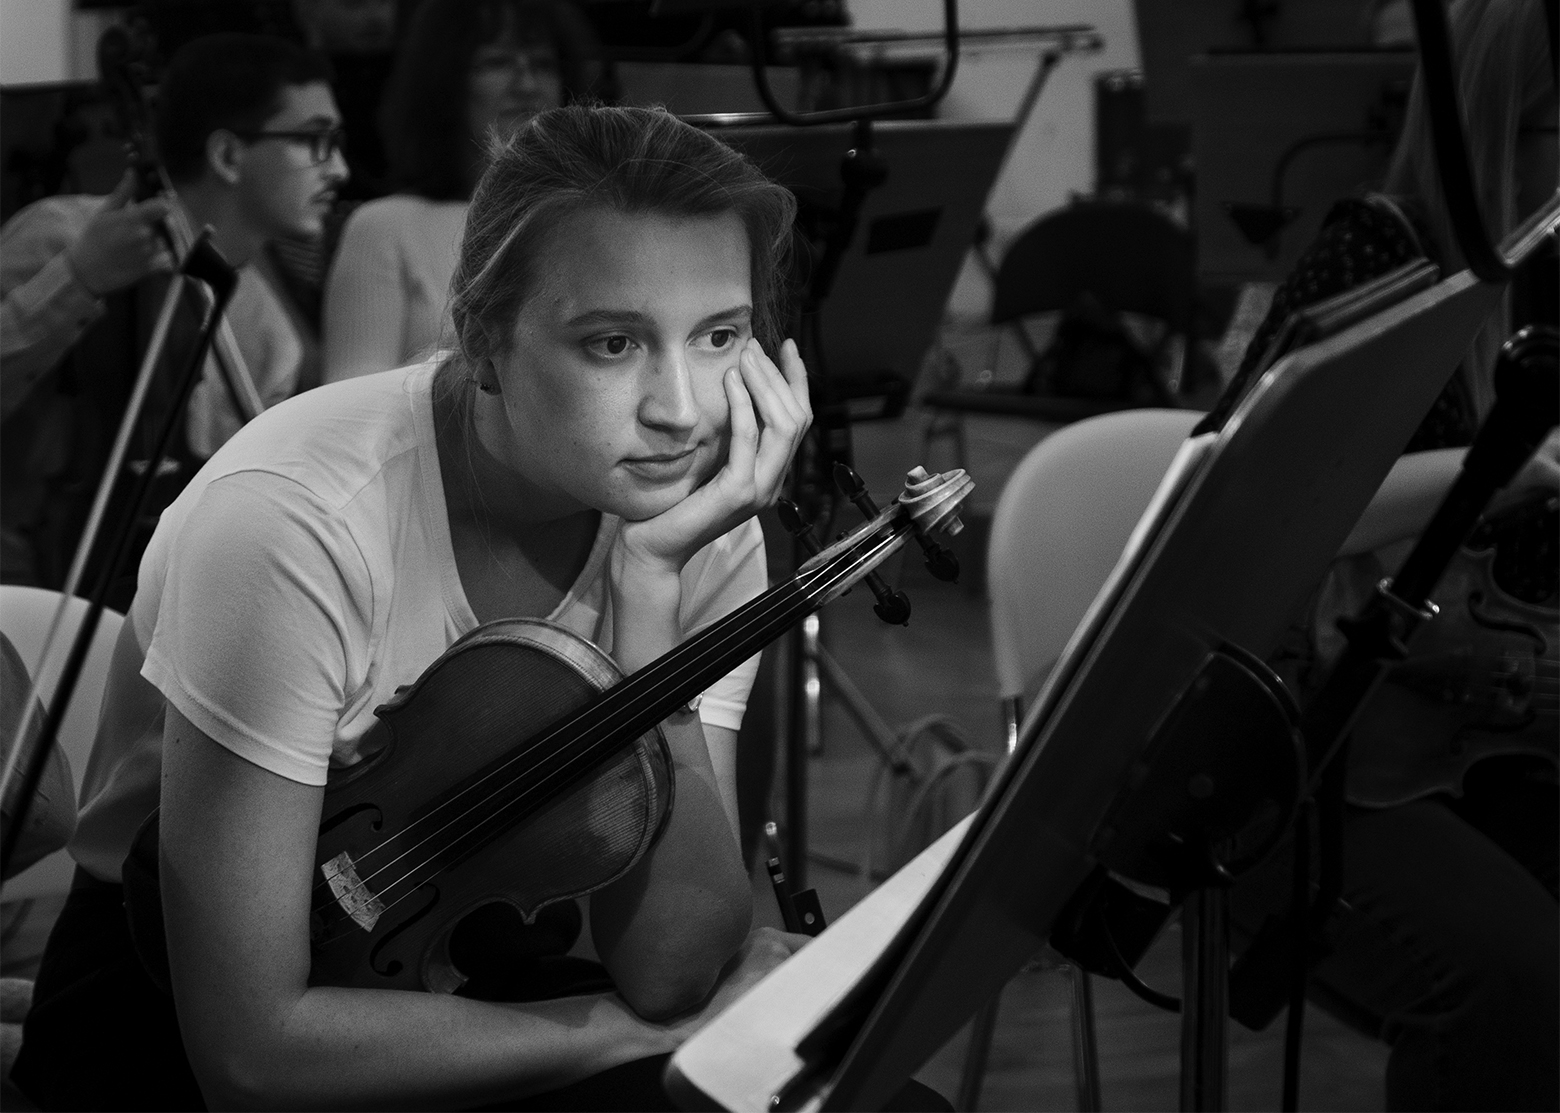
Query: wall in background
34, 41
1053, 157
45, 41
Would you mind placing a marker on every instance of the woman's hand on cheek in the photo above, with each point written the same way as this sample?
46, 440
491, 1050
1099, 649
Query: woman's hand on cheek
770, 412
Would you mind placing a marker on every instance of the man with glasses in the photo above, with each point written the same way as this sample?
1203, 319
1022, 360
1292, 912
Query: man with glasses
249, 136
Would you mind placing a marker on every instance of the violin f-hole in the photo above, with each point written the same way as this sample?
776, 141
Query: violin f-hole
392, 967
374, 824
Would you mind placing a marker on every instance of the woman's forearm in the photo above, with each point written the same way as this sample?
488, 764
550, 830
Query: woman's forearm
665, 931
394, 1049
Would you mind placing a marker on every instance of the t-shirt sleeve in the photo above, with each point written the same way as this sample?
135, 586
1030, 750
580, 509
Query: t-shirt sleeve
366, 302
264, 619
724, 575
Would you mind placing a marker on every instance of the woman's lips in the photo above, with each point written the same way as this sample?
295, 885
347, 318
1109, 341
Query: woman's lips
662, 467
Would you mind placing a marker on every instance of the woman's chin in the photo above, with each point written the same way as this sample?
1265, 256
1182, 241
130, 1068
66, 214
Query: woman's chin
646, 505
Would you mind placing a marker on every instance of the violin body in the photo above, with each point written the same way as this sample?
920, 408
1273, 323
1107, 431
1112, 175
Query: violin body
1480, 680
390, 889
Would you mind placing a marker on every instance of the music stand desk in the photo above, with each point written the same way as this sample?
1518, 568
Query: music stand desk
1239, 534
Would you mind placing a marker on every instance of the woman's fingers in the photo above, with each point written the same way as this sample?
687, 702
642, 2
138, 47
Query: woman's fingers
796, 378
744, 427
782, 391
784, 412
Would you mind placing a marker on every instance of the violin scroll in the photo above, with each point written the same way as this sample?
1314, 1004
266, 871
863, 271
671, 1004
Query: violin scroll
933, 501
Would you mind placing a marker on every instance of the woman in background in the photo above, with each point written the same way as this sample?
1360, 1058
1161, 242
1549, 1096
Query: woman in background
467, 68
1445, 943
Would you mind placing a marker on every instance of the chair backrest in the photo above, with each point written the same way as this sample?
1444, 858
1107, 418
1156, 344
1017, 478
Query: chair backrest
1060, 525
25, 614
1131, 257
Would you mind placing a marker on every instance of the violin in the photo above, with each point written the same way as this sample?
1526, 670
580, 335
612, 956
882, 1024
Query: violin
1482, 679
522, 768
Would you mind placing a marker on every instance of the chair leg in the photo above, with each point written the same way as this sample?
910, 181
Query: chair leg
943, 426
1086, 1058
976, 1054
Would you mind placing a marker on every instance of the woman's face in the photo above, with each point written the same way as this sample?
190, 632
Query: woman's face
612, 381
510, 81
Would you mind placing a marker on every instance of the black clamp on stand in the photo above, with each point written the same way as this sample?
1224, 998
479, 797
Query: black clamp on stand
1527, 396
1215, 790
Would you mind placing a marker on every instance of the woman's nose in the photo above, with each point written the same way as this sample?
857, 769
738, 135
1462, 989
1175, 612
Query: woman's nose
668, 402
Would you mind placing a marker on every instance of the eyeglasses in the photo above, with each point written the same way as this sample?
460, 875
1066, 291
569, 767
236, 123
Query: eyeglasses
323, 145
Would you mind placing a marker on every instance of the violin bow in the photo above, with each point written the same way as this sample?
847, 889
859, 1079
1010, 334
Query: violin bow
205, 264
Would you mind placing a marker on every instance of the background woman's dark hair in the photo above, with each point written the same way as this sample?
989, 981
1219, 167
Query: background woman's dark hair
231, 82
628, 160
423, 117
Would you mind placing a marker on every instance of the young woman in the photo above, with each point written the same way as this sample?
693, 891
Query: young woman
466, 68
593, 454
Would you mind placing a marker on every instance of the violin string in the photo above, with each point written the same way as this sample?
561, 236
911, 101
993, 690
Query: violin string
572, 759
831, 573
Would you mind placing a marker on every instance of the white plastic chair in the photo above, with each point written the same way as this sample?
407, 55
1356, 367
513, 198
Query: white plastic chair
25, 614
1060, 525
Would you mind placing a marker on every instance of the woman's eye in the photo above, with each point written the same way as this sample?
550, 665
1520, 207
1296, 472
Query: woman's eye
723, 338
610, 345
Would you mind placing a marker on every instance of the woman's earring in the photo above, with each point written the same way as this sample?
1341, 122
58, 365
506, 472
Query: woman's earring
484, 386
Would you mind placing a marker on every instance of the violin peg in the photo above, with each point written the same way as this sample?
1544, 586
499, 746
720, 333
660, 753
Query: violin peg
893, 608
855, 489
790, 516
792, 522
848, 480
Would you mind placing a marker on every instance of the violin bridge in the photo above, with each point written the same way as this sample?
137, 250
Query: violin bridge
351, 893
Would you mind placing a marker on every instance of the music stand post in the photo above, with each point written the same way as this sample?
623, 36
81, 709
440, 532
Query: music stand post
938, 221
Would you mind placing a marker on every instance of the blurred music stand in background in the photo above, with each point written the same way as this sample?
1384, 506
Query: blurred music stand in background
911, 200
1277, 138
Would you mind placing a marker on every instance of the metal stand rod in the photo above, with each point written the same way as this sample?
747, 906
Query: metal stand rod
982, 1028
1086, 1055
800, 735
1205, 1001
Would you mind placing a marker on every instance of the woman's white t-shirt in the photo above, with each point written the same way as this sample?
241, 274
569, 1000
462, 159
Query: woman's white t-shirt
306, 573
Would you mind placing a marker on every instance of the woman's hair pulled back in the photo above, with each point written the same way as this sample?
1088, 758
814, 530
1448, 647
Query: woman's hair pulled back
628, 160
1504, 74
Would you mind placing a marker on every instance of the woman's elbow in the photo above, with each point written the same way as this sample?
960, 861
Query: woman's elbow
687, 964
250, 1065
237, 1078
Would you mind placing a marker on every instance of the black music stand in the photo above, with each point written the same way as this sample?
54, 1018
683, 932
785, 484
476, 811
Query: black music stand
1241, 530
